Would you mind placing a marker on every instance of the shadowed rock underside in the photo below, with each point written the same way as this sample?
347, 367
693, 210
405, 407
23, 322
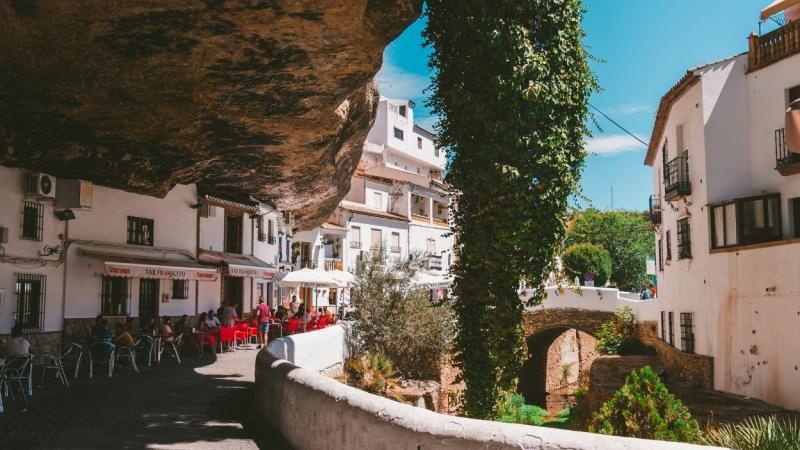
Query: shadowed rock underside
268, 97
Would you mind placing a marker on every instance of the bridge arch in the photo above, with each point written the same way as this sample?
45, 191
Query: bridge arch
542, 327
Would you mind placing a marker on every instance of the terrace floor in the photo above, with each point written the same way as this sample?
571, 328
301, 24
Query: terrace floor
201, 404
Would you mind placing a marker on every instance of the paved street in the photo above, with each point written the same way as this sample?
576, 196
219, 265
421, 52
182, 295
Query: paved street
202, 404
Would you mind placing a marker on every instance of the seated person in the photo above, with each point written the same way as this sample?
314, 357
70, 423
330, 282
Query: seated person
281, 313
327, 313
183, 325
17, 345
122, 338
101, 332
130, 324
212, 321
166, 329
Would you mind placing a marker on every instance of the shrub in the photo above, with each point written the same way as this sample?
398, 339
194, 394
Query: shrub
373, 373
581, 258
618, 335
644, 408
756, 433
395, 318
512, 409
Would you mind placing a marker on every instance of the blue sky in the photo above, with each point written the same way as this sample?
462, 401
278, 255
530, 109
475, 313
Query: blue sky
641, 48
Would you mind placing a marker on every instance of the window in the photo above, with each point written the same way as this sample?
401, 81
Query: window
746, 221
262, 236
435, 151
661, 255
419, 143
233, 233
376, 238
395, 242
180, 289
398, 133
140, 231
32, 216
431, 246
663, 326
687, 335
355, 237
671, 329
115, 295
669, 245
377, 200
30, 292
794, 94
684, 241
403, 110
270, 232
795, 206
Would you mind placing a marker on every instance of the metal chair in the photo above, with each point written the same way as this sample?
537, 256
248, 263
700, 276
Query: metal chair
55, 362
172, 346
128, 353
105, 349
146, 344
16, 372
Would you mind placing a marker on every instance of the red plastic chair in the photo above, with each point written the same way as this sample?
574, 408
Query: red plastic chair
227, 335
293, 326
241, 334
207, 340
322, 322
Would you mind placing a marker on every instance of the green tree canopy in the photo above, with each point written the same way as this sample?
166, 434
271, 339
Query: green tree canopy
626, 235
511, 84
585, 257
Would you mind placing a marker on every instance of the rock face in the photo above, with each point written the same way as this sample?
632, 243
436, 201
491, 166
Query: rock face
268, 97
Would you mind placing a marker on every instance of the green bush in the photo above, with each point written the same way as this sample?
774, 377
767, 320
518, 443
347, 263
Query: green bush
512, 409
618, 335
373, 373
396, 318
581, 258
756, 433
644, 408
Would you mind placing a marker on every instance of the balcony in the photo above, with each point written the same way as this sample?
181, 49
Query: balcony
655, 209
355, 244
774, 46
333, 264
419, 218
676, 179
786, 161
433, 262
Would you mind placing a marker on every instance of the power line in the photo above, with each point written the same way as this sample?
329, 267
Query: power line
618, 125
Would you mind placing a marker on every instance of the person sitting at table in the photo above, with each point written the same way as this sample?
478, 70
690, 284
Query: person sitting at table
313, 315
17, 345
280, 314
166, 329
212, 321
301, 312
101, 332
327, 313
122, 337
130, 324
183, 325
201, 321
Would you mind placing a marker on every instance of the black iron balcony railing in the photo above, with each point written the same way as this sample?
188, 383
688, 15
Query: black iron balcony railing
786, 162
676, 178
434, 262
655, 209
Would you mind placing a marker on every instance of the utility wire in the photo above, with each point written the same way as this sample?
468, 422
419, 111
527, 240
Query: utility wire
618, 125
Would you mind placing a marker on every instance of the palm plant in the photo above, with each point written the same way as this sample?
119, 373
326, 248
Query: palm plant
374, 373
756, 433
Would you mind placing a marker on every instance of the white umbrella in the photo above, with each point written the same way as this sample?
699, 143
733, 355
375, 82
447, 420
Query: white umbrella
431, 281
345, 279
308, 278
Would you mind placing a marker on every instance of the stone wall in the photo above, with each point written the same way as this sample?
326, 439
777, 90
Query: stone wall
41, 342
690, 369
574, 350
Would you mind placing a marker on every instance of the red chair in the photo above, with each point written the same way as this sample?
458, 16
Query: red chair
207, 340
226, 335
322, 322
293, 326
241, 334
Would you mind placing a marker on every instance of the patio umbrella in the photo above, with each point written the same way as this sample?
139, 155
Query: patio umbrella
313, 278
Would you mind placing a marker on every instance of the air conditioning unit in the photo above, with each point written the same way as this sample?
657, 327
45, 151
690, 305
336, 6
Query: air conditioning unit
74, 194
3, 235
40, 185
207, 211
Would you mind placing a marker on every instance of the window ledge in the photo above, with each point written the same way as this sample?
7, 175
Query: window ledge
737, 248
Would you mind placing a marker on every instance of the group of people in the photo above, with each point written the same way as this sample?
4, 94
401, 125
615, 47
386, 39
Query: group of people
122, 333
648, 292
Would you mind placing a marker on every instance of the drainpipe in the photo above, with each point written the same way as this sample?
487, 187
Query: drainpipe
197, 256
65, 250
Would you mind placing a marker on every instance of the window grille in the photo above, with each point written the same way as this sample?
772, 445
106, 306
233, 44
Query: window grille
669, 245
233, 233
687, 333
31, 294
663, 326
684, 241
398, 134
140, 231
661, 255
32, 221
180, 289
115, 297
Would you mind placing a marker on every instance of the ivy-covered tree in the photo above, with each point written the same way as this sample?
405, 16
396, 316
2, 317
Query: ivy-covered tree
511, 84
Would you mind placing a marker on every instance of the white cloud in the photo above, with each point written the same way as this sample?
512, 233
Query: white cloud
629, 109
394, 82
613, 145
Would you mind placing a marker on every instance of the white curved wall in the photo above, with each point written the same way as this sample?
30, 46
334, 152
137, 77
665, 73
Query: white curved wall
300, 402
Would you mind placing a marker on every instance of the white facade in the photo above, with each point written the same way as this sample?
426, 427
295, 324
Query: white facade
739, 280
397, 200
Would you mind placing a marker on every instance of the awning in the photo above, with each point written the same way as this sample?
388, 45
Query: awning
308, 278
345, 279
777, 6
239, 265
432, 281
127, 266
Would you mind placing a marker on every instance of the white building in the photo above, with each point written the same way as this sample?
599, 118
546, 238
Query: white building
728, 207
397, 201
